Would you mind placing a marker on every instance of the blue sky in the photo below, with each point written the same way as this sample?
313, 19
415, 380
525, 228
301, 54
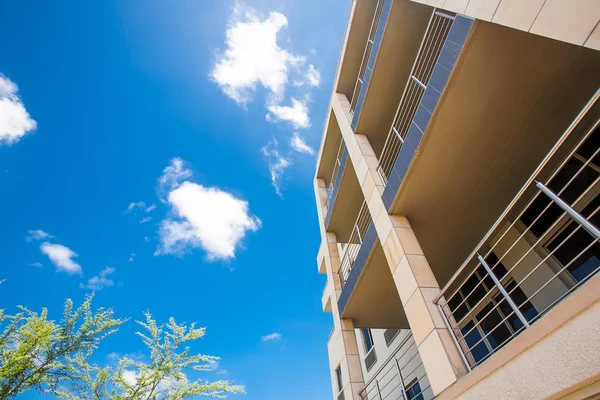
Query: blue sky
163, 151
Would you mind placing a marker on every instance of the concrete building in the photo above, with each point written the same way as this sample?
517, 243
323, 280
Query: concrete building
457, 190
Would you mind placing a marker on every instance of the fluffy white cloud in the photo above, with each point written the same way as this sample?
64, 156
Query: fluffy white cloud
296, 114
277, 164
173, 174
253, 55
15, 121
271, 337
298, 144
37, 234
62, 257
207, 218
101, 281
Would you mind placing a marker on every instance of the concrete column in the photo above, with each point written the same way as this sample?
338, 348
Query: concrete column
342, 345
411, 272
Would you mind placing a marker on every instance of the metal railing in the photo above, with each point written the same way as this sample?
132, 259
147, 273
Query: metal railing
429, 52
401, 377
366, 55
335, 174
354, 243
542, 248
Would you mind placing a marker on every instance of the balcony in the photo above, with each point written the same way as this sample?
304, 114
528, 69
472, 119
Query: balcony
501, 108
335, 180
389, 53
369, 296
544, 246
402, 377
429, 52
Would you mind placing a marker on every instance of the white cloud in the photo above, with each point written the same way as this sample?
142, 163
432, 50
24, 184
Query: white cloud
300, 145
207, 218
134, 205
101, 281
132, 257
61, 257
37, 234
277, 164
296, 114
146, 219
271, 337
130, 377
15, 121
36, 264
253, 55
151, 207
312, 77
175, 173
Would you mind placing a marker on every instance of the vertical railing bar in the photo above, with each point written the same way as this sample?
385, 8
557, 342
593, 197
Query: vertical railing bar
503, 291
567, 208
401, 379
453, 335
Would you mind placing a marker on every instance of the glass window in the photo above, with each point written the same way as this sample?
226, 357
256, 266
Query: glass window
338, 375
367, 339
413, 390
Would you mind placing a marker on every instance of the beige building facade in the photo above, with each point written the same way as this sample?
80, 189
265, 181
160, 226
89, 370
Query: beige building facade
458, 197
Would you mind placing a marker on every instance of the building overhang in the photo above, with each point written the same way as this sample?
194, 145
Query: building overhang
509, 98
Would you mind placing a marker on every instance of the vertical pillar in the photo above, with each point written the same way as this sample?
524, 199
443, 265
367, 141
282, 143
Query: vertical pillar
410, 270
342, 345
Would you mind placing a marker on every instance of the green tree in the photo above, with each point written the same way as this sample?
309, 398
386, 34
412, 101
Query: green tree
34, 350
163, 377
54, 358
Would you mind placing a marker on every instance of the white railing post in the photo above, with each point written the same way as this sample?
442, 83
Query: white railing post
510, 302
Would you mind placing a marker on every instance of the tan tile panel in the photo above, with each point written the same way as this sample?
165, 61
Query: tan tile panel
518, 14
570, 21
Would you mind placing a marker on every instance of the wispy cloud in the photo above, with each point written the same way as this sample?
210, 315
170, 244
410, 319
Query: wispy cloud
296, 114
146, 238
15, 121
132, 257
253, 56
272, 337
298, 144
151, 207
100, 281
36, 264
277, 164
312, 78
145, 219
173, 175
139, 205
62, 257
37, 234
207, 218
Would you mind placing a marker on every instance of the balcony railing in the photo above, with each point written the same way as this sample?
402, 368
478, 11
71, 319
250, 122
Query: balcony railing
354, 243
336, 177
366, 55
401, 377
429, 52
542, 248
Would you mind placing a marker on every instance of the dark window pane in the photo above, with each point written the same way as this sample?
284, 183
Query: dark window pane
479, 351
368, 339
453, 304
492, 325
547, 218
413, 392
